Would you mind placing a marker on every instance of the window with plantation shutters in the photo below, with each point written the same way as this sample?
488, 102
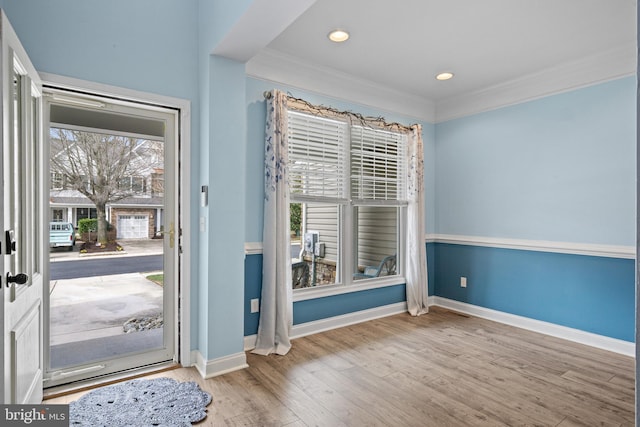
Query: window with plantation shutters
317, 157
378, 165
348, 181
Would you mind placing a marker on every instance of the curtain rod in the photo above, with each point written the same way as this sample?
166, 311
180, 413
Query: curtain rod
332, 112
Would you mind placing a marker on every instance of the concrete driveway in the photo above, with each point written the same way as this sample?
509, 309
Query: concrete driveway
98, 306
94, 307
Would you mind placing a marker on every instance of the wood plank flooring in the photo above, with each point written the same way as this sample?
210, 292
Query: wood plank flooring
441, 369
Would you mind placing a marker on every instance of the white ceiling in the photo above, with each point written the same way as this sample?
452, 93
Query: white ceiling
400, 45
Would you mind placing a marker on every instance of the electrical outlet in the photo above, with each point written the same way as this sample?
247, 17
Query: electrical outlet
255, 305
463, 282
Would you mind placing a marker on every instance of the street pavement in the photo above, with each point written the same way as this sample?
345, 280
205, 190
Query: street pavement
101, 267
92, 307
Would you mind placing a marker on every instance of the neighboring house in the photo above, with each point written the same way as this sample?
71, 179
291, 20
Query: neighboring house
135, 217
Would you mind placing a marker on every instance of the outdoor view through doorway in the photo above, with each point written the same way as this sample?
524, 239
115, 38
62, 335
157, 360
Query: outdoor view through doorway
112, 224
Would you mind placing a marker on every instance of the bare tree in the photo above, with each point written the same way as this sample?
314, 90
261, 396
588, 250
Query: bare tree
102, 166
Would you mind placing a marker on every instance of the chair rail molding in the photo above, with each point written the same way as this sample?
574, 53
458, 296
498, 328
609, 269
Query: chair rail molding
589, 249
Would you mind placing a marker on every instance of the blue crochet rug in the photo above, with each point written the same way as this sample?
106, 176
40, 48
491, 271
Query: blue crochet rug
141, 403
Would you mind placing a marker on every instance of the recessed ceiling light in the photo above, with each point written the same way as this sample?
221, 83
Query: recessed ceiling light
338, 36
444, 76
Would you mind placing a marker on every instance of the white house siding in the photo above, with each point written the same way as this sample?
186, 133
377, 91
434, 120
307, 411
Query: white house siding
377, 234
377, 231
323, 219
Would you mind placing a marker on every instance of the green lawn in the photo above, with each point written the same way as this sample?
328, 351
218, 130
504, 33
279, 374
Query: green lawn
156, 278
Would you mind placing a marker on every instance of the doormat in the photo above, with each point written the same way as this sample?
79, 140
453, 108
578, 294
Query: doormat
156, 402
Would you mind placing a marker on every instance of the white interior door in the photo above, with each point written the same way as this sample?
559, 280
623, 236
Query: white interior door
21, 224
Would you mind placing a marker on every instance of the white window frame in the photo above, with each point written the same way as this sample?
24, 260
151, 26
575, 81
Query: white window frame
346, 229
55, 178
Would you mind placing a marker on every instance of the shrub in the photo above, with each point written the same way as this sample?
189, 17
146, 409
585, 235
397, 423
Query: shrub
88, 230
295, 217
88, 225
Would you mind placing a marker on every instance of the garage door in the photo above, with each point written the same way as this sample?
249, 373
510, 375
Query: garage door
133, 226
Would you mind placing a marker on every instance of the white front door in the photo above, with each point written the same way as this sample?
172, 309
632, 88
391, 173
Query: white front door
22, 221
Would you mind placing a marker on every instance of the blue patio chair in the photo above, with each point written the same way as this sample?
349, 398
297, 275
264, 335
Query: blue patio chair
387, 267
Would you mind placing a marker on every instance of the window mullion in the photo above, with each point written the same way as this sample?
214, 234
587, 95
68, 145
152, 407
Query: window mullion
347, 246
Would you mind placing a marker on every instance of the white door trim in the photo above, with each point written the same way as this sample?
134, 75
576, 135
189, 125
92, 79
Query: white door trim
183, 301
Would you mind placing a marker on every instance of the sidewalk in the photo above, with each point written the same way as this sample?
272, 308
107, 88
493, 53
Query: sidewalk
132, 247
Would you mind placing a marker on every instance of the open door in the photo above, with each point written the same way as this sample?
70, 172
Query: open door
112, 304
21, 223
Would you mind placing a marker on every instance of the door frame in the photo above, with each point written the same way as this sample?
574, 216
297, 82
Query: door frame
183, 188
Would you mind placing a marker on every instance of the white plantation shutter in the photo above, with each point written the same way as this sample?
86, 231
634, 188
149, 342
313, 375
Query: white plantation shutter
317, 157
378, 165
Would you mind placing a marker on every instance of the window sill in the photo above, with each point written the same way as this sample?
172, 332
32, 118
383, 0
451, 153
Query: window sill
360, 285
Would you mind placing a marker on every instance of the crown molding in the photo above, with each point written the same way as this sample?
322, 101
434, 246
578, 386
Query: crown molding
587, 71
271, 65
284, 69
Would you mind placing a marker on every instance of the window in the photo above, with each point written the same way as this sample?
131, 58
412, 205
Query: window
157, 183
349, 181
132, 184
57, 215
83, 213
57, 181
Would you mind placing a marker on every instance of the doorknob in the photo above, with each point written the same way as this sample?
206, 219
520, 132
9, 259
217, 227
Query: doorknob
18, 279
171, 234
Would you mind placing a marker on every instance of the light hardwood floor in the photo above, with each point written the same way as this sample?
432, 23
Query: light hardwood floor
441, 369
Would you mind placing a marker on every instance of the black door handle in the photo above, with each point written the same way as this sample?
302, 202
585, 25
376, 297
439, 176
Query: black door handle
18, 279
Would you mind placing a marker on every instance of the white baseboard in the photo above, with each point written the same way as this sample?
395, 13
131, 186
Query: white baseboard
219, 366
611, 344
322, 325
594, 340
250, 342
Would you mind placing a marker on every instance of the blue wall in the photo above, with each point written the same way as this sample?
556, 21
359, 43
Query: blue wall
589, 293
562, 169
